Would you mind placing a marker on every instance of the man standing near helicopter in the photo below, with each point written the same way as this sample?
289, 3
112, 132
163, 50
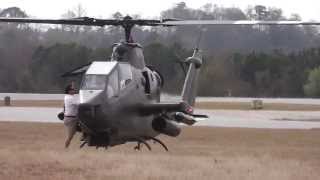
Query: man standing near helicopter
71, 103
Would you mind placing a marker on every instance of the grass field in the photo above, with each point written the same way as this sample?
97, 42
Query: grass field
34, 151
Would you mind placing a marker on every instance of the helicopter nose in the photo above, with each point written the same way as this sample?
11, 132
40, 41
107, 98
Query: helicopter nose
89, 112
90, 117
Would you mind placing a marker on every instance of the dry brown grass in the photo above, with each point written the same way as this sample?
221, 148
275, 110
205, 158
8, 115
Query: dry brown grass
32, 151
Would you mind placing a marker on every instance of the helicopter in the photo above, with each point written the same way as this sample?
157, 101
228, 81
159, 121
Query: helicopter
120, 98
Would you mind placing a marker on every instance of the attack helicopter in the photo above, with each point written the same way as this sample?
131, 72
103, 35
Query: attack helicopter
120, 98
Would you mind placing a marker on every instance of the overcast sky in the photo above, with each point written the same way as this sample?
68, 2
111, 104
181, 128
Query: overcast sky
308, 9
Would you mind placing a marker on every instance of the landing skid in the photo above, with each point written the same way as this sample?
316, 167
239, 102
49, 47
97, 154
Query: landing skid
140, 141
138, 147
160, 142
155, 140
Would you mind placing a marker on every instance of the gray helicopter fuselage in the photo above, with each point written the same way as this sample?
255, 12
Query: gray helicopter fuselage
110, 104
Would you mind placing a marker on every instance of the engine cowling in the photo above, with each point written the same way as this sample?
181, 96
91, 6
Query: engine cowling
164, 126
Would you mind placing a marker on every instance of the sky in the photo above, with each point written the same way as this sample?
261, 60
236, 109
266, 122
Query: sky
307, 9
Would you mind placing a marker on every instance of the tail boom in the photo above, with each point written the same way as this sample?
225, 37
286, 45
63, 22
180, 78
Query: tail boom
190, 86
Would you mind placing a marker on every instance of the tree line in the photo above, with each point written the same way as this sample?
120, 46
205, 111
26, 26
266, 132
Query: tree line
268, 61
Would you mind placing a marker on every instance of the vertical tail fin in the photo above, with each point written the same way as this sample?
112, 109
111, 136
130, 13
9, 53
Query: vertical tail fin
190, 86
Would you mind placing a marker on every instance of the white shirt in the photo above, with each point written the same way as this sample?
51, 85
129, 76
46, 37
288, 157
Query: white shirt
71, 103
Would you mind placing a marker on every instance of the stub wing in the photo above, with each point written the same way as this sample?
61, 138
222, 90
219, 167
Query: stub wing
178, 112
158, 108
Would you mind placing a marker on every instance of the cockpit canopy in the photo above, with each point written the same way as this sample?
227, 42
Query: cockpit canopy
109, 76
94, 82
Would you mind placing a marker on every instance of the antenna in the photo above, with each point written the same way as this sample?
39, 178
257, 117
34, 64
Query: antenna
198, 41
201, 29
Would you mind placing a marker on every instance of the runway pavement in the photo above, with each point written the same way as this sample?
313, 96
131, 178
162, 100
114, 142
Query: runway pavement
217, 118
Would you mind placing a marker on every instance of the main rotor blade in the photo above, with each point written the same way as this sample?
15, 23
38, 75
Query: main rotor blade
220, 22
85, 21
128, 21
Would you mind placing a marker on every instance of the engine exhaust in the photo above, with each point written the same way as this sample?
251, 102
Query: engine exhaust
164, 126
